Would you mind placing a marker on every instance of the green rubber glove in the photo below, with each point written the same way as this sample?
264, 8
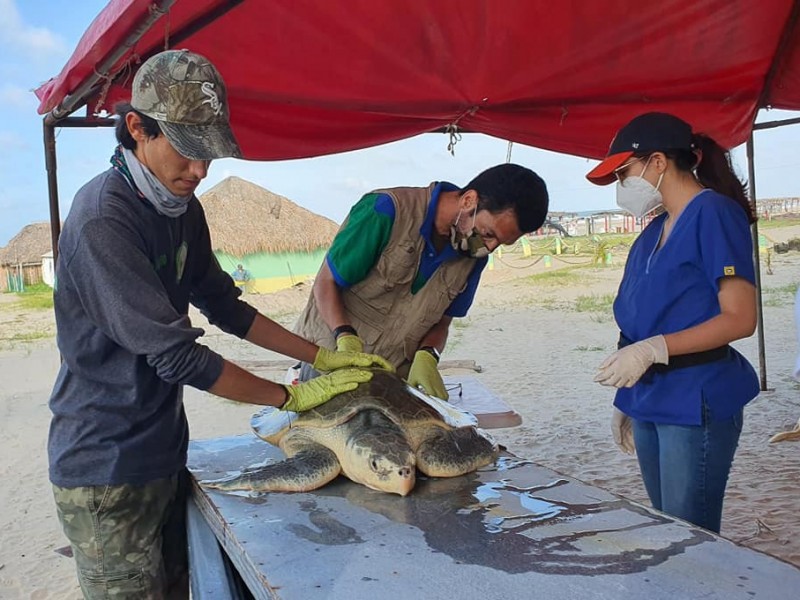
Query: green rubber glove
329, 360
424, 374
307, 395
349, 343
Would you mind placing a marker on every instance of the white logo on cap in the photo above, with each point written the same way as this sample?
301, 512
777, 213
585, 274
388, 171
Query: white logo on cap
211, 97
635, 145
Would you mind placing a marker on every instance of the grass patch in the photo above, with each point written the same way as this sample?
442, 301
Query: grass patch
28, 337
558, 278
789, 288
778, 223
35, 297
550, 303
779, 296
596, 303
774, 302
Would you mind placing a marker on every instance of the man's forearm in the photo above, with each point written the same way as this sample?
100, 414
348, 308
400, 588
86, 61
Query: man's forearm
234, 383
328, 298
270, 335
437, 335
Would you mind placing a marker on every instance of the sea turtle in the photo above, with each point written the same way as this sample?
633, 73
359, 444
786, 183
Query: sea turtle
376, 435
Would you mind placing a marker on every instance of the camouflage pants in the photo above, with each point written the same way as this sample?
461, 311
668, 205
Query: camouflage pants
128, 541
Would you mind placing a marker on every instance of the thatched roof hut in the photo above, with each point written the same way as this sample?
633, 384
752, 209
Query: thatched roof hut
28, 246
245, 218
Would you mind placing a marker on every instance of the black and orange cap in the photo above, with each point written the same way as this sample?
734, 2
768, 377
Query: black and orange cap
650, 132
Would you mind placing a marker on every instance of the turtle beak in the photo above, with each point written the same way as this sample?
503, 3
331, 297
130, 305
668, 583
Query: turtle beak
406, 480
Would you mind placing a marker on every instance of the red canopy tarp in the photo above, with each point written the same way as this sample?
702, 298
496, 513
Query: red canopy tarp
308, 78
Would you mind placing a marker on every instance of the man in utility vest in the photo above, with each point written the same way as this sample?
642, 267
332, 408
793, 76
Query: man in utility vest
408, 260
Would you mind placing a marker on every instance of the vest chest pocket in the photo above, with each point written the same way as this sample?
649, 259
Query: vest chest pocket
398, 266
455, 278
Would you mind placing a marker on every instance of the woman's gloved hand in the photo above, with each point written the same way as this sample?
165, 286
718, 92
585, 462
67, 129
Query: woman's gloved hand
424, 374
622, 430
310, 394
330, 360
349, 342
627, 365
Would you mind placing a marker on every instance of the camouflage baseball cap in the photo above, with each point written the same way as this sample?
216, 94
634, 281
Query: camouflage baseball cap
185, 93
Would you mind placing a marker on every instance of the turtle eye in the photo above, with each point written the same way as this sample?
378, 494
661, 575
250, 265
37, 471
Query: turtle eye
374, 464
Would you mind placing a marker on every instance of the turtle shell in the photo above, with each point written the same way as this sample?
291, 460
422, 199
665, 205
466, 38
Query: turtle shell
385, 392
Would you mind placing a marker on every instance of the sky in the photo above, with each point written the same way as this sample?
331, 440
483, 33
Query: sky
37, 38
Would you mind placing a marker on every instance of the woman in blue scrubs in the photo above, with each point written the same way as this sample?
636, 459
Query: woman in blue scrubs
688, 291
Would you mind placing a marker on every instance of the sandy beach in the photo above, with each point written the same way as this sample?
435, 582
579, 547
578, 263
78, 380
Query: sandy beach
538, 333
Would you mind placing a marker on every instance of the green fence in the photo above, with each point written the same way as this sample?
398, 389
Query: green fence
15, 282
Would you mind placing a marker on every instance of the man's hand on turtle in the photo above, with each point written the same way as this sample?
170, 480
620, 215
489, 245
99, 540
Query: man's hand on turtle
330, 360
424, 374
307, 395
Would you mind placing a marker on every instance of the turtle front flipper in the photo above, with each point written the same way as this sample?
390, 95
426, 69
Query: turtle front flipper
455, 452
307, 470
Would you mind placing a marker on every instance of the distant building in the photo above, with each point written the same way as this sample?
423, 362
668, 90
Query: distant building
21, 259
276, 241
767, 208
48, 269
592, 222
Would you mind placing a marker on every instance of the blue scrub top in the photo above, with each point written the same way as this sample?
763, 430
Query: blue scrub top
674, 288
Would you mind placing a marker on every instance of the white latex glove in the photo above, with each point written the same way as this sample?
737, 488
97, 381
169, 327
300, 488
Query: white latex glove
622, 429
626, 366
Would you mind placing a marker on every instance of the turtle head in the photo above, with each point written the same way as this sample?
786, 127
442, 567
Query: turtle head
381, 460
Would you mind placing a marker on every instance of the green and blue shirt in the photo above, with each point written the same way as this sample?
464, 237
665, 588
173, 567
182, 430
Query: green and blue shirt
359, 244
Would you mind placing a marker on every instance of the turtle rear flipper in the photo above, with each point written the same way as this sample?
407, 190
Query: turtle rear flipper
307, 470
452, 453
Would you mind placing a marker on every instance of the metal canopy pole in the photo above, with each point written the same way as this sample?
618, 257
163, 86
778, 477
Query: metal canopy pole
52, 185
59, 116
78, 98
49, 127
751, 185
774, 124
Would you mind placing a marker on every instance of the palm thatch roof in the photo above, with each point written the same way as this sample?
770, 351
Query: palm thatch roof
245, 218
27, 246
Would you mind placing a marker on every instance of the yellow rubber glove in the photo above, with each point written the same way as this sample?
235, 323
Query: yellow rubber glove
310, 394
627, 365
424, 374
349, 343
622, 429
329, 360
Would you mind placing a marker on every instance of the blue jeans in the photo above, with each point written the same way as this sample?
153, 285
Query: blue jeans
685, 467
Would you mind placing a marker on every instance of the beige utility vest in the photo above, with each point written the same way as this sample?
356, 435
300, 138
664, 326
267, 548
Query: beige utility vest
389, 319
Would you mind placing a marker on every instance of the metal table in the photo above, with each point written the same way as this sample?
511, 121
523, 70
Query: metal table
513, 530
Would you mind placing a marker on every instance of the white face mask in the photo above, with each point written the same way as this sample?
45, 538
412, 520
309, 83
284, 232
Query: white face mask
637, 195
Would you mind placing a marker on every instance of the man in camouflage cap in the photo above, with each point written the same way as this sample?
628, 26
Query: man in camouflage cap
134, 252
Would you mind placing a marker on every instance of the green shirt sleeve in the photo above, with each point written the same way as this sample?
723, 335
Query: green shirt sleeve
357, 246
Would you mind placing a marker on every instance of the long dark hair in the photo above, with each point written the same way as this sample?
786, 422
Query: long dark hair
714, 171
